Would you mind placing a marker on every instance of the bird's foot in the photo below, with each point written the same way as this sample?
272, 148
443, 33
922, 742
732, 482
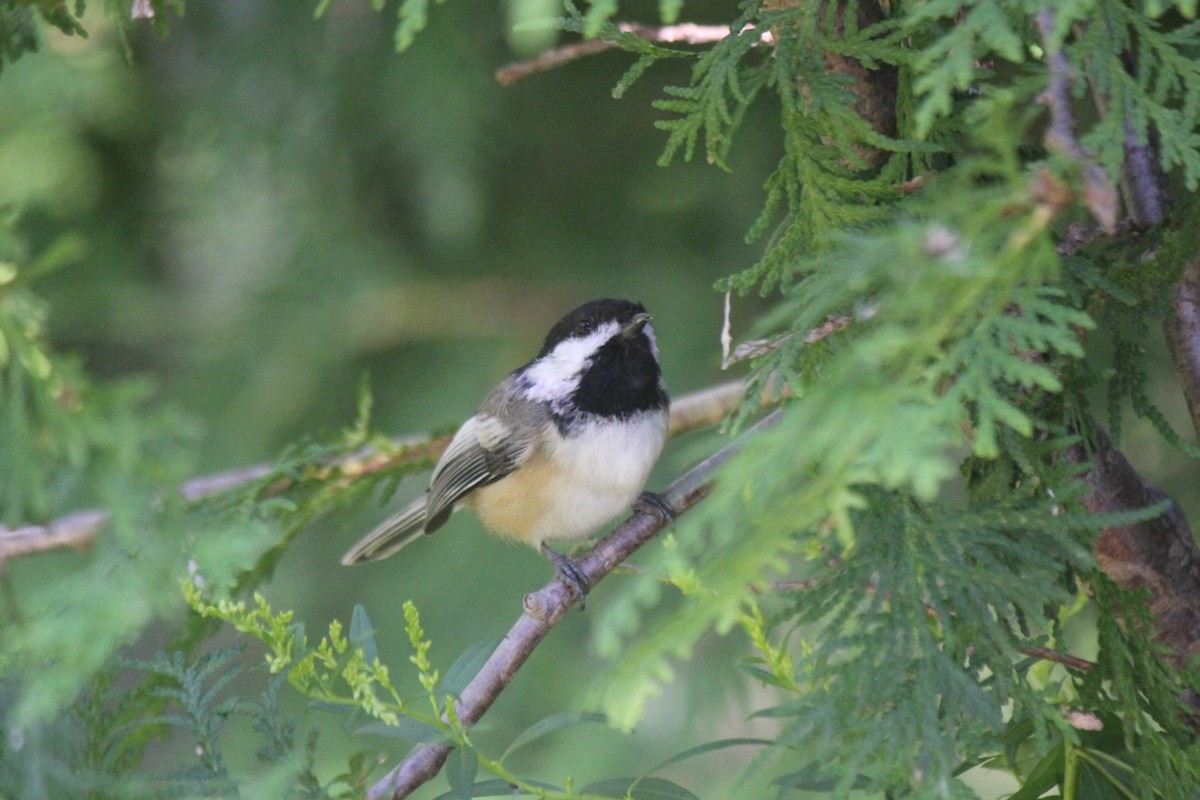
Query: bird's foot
570, 573
651, 503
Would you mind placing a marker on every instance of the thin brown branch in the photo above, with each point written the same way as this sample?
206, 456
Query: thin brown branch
700, 409
565, 54
755, 348
78, 529
1142, 177
685, 33
1080, 235
1182, 329
74, 530
1060, 135
1098, 193
798, 585
544, 608
707, 407
913, 184
1142, 180
1046, 654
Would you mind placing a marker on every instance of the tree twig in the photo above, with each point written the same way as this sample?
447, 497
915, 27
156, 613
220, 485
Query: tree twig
78, 529
1142, 180
1067, 660
544, 608
1182, 329
1098, 193
1079, 235
565, 54
699, 409
685, 33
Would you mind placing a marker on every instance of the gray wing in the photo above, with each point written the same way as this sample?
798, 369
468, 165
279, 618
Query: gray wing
487, 447
490, 445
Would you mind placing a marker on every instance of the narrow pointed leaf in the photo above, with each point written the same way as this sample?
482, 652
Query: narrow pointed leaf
467, 665
362, 634
709, 747
550, 724
405, 728
640, 789
498, 788
461, 767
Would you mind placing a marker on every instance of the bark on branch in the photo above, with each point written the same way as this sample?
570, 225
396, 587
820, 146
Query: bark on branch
685, 33
1182, 329
1158, 554
1098, 193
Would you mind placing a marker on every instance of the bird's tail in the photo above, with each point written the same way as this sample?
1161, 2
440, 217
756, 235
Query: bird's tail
392, 534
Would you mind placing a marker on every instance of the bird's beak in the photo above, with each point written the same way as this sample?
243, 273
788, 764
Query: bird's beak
635, 325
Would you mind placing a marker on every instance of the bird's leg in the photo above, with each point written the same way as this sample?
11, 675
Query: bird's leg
569, 573
651, 503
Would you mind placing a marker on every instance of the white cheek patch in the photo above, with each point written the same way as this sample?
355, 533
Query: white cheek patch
555, 376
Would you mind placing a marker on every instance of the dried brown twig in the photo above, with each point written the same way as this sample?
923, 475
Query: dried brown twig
1067, 660
685, 33
1098, 193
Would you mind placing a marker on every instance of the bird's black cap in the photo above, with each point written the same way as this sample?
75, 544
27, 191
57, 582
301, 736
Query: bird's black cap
587, 317
623, 377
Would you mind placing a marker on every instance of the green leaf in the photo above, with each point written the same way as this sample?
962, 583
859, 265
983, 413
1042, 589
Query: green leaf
813, 779
1096, 783
413, 15
550, 724
640, 789
461, 767
668, 10
760, 674
1045, 774
362, 634
709, 747
499, 788
601, 11
405, 728
468, 664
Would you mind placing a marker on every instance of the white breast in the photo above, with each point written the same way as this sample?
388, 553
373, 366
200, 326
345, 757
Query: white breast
604, 468
575, 485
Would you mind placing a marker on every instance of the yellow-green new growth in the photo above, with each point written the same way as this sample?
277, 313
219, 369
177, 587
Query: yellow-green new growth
274, 630
333, 672
416, 637
777, 659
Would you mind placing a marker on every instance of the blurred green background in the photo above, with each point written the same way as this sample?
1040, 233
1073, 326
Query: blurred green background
274, 206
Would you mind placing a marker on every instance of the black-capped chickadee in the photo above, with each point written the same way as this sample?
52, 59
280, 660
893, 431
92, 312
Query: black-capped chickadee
560, 447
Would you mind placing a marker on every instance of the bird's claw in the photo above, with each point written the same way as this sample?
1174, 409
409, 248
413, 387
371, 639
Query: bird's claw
652, 503
570, 573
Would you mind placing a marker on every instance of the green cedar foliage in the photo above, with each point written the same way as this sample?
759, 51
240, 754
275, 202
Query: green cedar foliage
19, 23
967, 334
892, 548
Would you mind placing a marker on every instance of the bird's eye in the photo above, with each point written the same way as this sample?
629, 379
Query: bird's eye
584, 327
